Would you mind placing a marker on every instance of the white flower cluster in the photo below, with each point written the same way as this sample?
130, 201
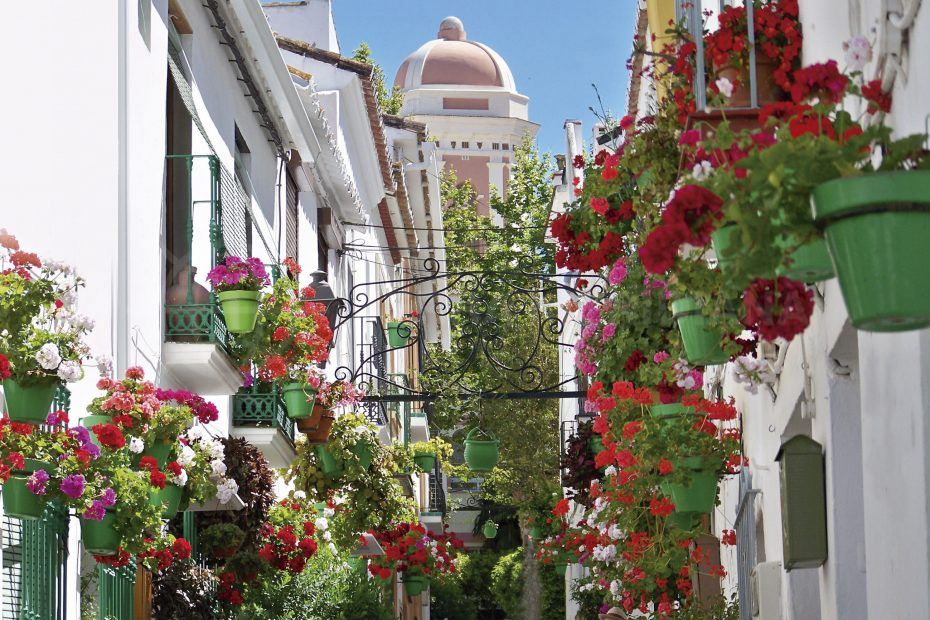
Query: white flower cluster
858, 53
604, 553
136, 445
212, 448
752, 373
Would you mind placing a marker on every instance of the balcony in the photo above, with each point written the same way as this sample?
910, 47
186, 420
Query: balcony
434, 508
199, 233
260, 418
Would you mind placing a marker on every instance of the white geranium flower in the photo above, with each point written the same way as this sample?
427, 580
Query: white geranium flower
702, 170
218, 467
195, 434
610, 470
752, 373
180, 479
858, 53
104, 365
226, 489
329, 512
615, 587
136, 445
333, 549
186, 457
725, 87
614, 532
48, 356
327, 536
70, 371
321, 523
300, 495
216, 450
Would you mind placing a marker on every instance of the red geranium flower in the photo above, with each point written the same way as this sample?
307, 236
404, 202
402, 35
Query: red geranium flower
109, 435
780, 307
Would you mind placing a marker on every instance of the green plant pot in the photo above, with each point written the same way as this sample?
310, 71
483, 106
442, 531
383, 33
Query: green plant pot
534, 532
19, 501
685, 521
425, 462
160, 451
481, 455
490, 529
298, 400
726, 241
703, 345
670, 412
560, 568
328, 463
415, 584
90, 421
809, 263
240, 310
596, 444
168, 498
876, 230
100, 537
363, 452
29, 403
398, 335
699, 494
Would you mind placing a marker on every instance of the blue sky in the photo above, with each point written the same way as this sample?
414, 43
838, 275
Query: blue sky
555, 49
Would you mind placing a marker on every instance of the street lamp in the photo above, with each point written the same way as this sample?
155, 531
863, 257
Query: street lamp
325, 295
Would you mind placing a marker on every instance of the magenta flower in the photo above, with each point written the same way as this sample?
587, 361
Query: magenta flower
109, 497
72, 486
37, 481
95, 511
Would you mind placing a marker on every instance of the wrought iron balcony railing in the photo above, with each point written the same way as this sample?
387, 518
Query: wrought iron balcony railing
262, 409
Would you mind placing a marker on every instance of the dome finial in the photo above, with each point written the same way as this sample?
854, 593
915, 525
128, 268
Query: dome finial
451, 29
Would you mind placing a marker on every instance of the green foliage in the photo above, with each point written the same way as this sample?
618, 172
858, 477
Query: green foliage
507, 583
553, 593
183, 592
589, 600
448, 597
718, 609
390, 101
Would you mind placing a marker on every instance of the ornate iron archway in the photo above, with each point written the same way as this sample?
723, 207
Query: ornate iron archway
479, 338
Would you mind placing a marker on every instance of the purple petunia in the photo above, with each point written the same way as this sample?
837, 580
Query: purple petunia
37, 481
72, 486
109, 497
96, 511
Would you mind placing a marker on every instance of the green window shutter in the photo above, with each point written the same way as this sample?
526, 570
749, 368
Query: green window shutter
116, 587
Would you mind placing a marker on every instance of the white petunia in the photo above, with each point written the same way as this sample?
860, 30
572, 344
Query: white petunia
70, 371
858, 53
136, 445
48, 356
725, 87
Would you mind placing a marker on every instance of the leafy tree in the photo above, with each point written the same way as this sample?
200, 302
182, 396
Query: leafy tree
389, 100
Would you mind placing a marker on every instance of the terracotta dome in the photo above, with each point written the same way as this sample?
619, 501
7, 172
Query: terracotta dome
451, 59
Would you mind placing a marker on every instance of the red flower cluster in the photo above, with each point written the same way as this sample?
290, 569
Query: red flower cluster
203, 410
411, 548
578, 250
4, 367
109, 436
879, 101
778, 308
284, 549
156, 478
821, 80
689, 217
179, 550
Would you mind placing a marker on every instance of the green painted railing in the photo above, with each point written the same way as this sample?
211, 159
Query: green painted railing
115, 587
254, 408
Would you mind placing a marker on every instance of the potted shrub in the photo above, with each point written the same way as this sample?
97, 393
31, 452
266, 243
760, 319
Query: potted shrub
41, 332
425, 453
238, 285
416, 553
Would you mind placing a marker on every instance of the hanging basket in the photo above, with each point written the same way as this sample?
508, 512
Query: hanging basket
560, 568
415, 584
311, 423
699, 494
425, 462
240, 310
399, 333
19, 501
684, 521
670, 412
702, 344
29, 403
490, 529
876, 230
809, 263
160, 451
596, 444
168, 498
100, 537
481, 455
328, 464
320, 434
299, 400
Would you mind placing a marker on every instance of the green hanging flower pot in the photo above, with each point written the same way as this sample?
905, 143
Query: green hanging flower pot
29, 403
240, 310
876, 230
168, 498
490, 529
596, 444
158, 450
534, 532
425, 461
703, 345
560, 568
299, 399
699, 494
363, 452
809, 263
100, 537
398, 333
684, 521
415, 584
670, 412
328, 463
481, 455
19, 501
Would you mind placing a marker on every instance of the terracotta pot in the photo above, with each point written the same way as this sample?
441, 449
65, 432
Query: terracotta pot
177, 293
320, 434
766, 88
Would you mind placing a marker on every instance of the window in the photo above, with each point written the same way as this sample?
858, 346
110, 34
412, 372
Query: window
322, 254
290, 218
495, 146
243, 160
465, 145
506, 146
453, 143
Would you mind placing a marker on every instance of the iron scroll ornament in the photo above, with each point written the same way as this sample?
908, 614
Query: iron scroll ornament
481, 336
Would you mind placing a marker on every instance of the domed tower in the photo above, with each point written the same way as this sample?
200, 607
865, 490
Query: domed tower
464, 92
